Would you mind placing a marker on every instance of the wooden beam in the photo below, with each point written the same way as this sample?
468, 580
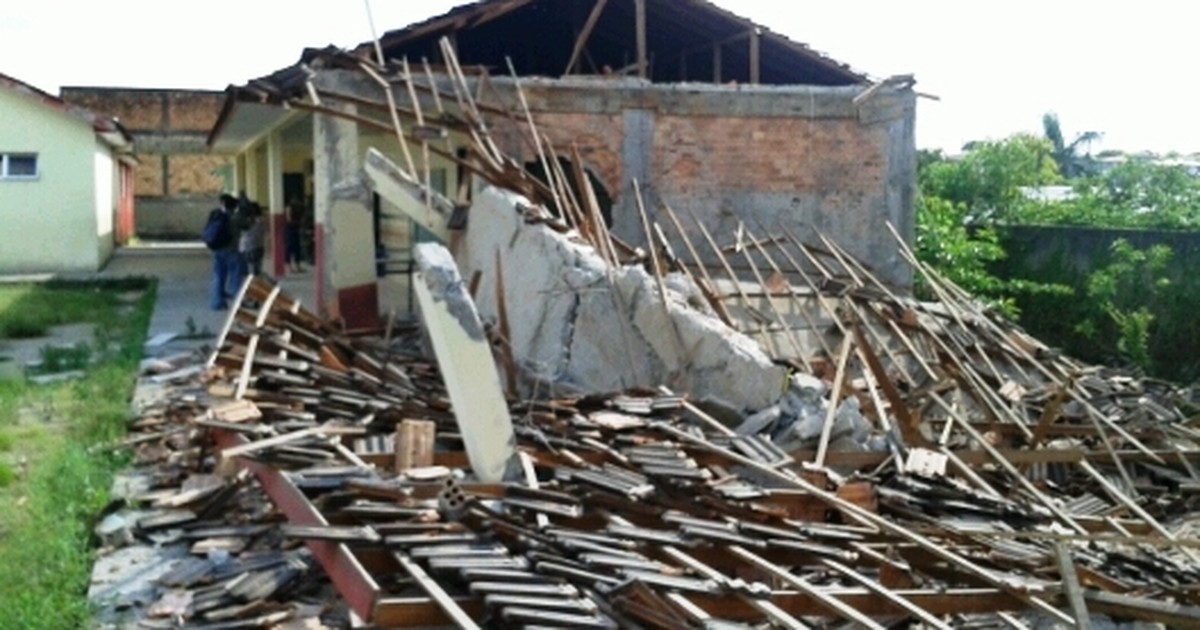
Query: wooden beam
640, 10
1174, 615
1070, 583
581, 41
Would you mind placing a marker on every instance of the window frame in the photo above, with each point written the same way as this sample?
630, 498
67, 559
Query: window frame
5, 166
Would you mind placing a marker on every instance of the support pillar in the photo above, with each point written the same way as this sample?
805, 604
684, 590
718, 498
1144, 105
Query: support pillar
717, 62
755, 64
275, 201
239, 173
345, 231
250, 186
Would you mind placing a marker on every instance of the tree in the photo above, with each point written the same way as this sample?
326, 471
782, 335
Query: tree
1071, 163
987, 180
1133, 194
961, 199
1125, 296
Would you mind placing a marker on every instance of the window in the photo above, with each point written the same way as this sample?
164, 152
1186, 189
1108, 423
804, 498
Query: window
18, 166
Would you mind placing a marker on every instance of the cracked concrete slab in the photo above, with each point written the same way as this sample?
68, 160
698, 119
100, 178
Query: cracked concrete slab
577, 323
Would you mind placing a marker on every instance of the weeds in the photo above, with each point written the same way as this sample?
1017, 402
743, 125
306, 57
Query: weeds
45, 556
65, 358
7, 475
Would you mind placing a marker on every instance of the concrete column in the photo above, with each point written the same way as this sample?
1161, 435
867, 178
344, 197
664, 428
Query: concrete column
275, 200
345, 231
251, 183
239, 173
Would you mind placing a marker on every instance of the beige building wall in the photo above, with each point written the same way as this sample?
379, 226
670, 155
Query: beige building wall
105, 172
50, 222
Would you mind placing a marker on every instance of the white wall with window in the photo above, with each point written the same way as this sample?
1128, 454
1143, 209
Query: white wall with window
48, 187
18, 166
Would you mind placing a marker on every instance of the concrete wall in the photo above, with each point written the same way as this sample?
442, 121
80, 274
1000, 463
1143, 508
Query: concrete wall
805, 158
1082, 250
802, 157
178, 218
50, 222
576, 324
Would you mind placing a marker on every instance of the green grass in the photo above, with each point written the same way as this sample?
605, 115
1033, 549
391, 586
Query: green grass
29, 310
48, 513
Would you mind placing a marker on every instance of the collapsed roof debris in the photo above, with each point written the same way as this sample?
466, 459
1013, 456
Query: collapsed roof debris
913, 462
638, 510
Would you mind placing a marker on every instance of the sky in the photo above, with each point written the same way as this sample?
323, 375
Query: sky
1120, 68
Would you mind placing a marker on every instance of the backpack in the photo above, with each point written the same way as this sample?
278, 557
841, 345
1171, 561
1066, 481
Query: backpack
216, 230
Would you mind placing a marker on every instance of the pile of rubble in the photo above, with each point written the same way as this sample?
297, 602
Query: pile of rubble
634, 509
843, 454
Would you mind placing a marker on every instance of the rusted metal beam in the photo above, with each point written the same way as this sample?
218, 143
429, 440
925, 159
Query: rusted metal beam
352, 581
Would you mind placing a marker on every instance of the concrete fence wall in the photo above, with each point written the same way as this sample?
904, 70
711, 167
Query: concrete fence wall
1082, 250
179, 218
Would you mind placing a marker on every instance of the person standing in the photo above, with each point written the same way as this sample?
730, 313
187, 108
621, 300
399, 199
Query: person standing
251, 246
221, 236
291, 235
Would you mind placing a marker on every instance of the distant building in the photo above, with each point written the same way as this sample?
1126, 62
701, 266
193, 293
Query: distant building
1048, 194
177, 179
66, 183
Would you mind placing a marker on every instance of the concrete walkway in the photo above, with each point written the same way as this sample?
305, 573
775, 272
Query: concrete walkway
184, 273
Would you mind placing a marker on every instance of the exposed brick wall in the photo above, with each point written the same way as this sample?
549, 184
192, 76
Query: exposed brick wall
806, 161
767, 155
148, 175
193, 111
194, 175
598, 137
838, 159
175, 175
137, 110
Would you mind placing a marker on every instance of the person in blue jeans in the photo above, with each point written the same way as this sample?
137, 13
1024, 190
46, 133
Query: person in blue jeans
227, 262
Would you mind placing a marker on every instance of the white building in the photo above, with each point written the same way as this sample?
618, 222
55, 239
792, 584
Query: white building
66, 183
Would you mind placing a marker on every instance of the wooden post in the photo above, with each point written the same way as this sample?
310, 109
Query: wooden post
640, 9
755, 66
414, 444
717, 63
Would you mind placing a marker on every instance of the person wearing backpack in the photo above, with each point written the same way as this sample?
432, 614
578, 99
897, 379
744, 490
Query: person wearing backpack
221, 236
